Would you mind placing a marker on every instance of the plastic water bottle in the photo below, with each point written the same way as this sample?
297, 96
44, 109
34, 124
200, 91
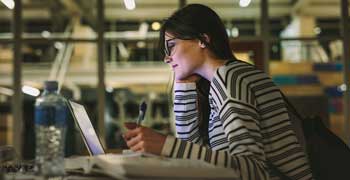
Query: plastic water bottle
50, 129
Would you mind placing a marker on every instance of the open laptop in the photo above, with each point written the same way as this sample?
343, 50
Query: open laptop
87, 131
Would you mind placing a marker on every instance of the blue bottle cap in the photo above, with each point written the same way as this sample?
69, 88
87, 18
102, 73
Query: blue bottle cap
51, 85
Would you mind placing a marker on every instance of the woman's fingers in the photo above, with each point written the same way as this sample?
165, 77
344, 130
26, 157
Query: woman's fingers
144, 139
133, 141
131, 133
139, 147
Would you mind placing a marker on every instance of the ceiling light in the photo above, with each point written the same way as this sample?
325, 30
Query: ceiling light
342, 87
129, 4
141, 44
109, 89
8, 3
234, 32
228, 31
58, 45
244, 3
317, 30
155, 26
45, 34
30, 90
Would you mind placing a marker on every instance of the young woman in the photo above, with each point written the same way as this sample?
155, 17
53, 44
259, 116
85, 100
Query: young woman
248, 126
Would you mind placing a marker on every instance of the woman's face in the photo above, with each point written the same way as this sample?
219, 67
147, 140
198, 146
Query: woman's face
184, 56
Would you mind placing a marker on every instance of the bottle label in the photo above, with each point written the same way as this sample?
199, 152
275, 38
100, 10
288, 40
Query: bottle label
51, 115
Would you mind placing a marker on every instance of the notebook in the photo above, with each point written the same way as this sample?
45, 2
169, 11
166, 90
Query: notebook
87, 131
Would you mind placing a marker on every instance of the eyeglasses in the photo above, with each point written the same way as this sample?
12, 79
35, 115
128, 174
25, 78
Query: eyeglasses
168, 47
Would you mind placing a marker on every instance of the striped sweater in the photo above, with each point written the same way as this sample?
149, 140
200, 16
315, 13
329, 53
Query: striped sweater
248, 126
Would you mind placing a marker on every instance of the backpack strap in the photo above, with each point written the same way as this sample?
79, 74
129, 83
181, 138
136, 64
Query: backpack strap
291, 107
299, 123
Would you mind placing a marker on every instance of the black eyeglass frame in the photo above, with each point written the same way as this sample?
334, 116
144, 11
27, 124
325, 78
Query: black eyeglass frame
167, 51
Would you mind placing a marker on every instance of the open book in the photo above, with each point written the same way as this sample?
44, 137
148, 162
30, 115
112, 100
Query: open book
141, 165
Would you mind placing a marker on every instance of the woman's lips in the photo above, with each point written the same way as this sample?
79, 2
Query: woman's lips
174, 65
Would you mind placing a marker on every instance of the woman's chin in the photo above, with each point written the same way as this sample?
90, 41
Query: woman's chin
181, 77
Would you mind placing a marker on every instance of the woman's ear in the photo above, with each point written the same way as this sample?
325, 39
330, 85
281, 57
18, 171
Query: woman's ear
204, 41
206, 38
201, 44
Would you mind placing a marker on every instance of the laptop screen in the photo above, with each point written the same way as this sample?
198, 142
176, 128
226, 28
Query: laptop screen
86, 129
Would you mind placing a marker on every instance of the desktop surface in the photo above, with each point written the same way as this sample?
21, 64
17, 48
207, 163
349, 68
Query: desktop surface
133, 166
84, 177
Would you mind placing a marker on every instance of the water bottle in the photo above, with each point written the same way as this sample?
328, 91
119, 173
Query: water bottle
50, 128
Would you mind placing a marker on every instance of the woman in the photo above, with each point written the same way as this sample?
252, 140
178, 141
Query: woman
249, 129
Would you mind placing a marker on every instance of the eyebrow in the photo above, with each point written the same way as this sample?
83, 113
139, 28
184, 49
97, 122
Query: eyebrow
167, 40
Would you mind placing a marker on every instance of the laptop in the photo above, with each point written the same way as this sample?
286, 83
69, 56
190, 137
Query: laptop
86, 129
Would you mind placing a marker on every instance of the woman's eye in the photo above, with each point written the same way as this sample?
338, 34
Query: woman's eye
171, 46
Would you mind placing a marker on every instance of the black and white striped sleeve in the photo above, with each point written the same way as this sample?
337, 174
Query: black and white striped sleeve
245, 154
186, 113
177, 148
245, 151
239, 120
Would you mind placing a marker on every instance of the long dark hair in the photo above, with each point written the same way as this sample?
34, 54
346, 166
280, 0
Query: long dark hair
194, 21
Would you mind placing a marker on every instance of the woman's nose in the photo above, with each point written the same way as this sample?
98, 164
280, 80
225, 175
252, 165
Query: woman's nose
167, 59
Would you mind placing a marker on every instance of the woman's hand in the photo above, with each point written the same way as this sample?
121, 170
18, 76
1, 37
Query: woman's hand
192, 78
143, 139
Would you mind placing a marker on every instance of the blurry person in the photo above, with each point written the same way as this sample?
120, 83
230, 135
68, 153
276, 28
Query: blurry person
248, 127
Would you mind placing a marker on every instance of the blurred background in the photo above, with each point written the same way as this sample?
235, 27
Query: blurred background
105, 55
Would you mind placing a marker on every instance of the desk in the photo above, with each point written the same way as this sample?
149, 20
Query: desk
18, 176
133, 167
143, 166
77, 177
